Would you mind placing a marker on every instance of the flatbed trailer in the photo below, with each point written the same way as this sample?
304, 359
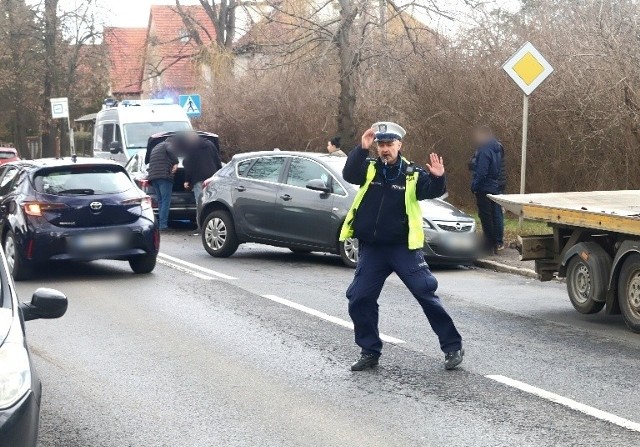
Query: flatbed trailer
595, 245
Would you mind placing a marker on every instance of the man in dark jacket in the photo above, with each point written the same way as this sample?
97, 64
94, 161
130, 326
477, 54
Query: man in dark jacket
386, 218
163, 164
486, 166
499, 213
201, 161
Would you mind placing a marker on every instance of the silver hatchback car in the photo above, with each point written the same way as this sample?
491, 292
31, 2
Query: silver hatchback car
299, 200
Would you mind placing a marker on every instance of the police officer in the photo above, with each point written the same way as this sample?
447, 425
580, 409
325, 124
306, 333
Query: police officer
387, 220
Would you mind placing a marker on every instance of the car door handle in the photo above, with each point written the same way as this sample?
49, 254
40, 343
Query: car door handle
286, 197
241, 188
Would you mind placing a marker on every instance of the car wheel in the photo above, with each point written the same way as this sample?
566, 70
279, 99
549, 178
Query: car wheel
584, 286
143, 264
629, 292
349, 252
18, 266
219, 235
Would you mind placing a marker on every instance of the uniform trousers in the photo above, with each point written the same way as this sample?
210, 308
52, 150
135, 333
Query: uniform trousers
375, 264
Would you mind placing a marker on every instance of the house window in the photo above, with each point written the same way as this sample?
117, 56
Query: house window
184, 35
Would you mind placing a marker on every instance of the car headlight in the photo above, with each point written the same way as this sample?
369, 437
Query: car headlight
15, 374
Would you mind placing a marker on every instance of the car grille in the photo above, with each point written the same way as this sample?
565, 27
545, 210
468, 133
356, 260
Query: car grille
456, 228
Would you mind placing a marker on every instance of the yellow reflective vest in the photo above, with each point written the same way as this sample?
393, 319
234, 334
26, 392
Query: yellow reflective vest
414, 213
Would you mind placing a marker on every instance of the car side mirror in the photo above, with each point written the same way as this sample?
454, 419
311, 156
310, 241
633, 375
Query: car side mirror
115, 147
45, 303
318, 185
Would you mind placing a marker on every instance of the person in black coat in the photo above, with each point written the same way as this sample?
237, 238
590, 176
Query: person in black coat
488, 178
163, 164
201, 161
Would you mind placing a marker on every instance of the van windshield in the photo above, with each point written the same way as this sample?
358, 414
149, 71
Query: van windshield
136, 135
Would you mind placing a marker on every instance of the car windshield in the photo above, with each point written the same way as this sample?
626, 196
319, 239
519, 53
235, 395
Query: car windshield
137, 150
82, 180
336, 163
137, 134
6, 155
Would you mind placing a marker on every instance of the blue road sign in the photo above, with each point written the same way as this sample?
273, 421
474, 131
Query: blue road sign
191, 105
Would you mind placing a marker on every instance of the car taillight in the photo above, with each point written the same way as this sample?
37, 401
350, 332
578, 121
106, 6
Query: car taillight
144, 184
30, 249
143, 202
38, 208
156, 239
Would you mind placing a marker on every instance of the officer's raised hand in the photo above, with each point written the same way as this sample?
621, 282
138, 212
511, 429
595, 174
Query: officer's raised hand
436, 167
367, 138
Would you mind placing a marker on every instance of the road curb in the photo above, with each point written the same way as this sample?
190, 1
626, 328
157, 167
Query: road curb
499, 267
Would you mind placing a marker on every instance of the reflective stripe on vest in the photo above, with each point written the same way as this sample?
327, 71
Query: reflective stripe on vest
414, 213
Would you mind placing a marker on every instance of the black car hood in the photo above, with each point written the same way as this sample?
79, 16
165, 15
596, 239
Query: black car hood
436, 209
158, 138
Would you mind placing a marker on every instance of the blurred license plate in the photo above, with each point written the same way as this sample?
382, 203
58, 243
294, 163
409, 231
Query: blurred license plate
462, 243
98, 241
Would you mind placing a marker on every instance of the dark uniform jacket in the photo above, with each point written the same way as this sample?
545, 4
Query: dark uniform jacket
382, 215
201, 162
161, 161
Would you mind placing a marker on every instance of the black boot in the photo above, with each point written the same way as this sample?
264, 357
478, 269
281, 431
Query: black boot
453, 359
366, 361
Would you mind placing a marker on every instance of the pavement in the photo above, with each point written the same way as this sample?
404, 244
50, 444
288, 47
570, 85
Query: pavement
508, 261
253, 350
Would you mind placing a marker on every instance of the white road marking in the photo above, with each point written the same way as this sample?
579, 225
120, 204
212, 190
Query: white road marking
570, 403
326, 317
195, 266
184, 269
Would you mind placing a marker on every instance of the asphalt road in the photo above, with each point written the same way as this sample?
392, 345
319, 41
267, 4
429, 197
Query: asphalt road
196, 355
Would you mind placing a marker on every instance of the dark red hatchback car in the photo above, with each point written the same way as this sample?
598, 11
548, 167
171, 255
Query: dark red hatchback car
8, 154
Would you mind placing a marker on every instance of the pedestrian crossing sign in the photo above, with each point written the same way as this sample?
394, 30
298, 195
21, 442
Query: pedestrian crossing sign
191, 105
528, 68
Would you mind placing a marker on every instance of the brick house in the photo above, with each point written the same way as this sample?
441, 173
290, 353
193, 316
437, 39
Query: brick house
162, 59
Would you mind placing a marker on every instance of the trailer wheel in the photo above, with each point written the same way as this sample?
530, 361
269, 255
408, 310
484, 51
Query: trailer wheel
586, 285
629, 292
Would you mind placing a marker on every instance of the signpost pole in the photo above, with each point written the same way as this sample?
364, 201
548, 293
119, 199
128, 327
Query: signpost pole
523, 165
72, 143
528, 69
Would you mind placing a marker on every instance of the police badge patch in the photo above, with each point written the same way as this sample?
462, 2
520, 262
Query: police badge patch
382, 128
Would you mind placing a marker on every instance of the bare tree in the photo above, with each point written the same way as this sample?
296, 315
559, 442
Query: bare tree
20, 55
49, 27
354, 32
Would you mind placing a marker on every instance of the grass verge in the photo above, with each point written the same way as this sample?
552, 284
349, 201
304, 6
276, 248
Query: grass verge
511, 230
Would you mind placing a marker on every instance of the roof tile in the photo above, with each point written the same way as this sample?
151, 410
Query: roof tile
126, 48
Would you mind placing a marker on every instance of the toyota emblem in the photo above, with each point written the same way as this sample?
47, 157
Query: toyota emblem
95, 206
458, 226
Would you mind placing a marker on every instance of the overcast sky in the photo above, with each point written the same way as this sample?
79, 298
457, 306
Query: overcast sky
135, 13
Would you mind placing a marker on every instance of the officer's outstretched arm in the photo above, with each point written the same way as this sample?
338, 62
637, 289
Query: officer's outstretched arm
355, 170
429, 186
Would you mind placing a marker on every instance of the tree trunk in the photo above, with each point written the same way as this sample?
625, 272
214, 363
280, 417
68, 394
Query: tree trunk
17, 89
50, 28
20, 135
348, 70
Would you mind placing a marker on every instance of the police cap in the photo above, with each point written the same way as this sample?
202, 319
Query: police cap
388, 131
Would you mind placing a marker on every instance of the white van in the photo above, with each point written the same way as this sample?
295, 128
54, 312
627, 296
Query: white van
123, 127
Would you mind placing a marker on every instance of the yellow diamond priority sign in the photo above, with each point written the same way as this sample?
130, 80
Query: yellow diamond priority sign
528, 68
